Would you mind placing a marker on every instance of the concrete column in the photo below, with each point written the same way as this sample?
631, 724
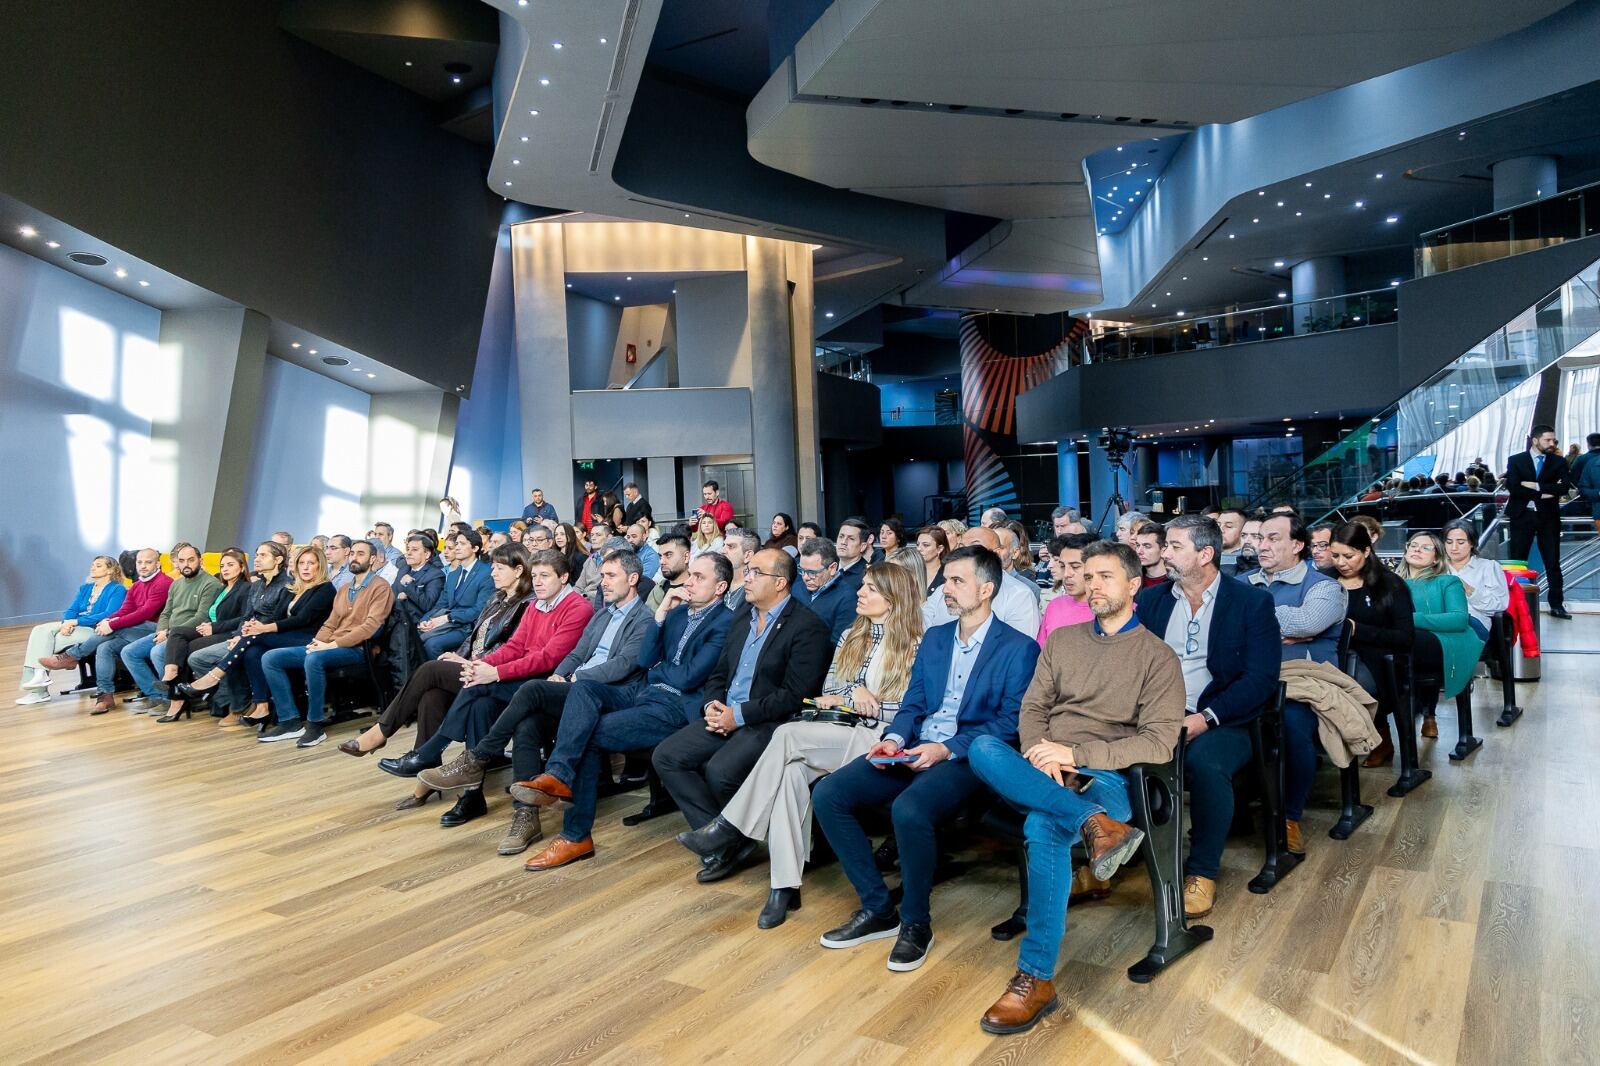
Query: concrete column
1524, 178
661, 475
772, 385
1068, 493
1315, 278
802, 346
544, 371
213, 353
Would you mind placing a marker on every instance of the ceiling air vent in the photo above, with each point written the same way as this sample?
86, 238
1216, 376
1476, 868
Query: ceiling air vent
88, 259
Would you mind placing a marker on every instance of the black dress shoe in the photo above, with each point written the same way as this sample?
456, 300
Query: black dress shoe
649, 811
862, 927
780, 901
408, 765
471, 805
911, 949
726, 863
1560, 612
712, 837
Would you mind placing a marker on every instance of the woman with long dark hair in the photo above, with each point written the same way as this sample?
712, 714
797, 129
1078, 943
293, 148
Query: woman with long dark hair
783, 535
1379, 610
569, 542
223, 620
933, 544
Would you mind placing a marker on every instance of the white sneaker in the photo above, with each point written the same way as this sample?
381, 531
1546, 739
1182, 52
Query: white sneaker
36, 696
40, 679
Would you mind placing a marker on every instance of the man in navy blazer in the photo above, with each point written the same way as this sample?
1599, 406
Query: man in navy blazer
680, 650
968, 681
1225, 633
467, 587
829, 594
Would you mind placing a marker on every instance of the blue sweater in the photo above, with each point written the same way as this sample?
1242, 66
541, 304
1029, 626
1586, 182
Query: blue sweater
81, 612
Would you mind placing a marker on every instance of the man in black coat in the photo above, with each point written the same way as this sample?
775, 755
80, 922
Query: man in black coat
634, 506
1536, 480
777, 654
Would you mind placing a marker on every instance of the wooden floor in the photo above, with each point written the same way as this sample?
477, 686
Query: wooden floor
178, 893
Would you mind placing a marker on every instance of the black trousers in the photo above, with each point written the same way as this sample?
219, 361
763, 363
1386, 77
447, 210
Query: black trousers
1547, 533
531, 718
702, 770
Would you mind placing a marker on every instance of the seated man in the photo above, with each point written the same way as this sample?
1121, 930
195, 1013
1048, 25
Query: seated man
1226, 638
188, 600
1233, 562
607, 654
134, 619
679, 655
1310, 607
467, 587
776, 654
1016, 602
1105, 696
967, 682
830, 598
1148, 540
638, 535
359, 611
1072, 606
740, 548
589, 577
673, 562
338, 552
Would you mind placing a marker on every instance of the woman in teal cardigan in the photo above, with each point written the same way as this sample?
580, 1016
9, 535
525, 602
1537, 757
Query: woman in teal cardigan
1446, 644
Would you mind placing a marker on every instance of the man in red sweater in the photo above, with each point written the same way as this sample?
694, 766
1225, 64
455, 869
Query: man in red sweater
714, 505
587, 515
134, 619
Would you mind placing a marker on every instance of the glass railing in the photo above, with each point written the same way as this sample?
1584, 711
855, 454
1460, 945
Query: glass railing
1272, 322
1564, 216
1470, 384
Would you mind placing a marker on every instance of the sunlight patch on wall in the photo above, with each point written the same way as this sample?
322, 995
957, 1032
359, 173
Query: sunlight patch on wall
88, 355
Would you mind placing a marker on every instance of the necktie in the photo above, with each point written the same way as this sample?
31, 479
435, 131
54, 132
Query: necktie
1538, 467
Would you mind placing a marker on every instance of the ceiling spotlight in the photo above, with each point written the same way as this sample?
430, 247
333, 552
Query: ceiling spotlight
1261, 192
674, 292
686, 214
569, 284
1308, 185
616, 297
827, 314
1392, 219
294, 344
522, 3
1379, 175
630, 277
1257, 220
1361, 203
544, 81
524, 138
1230, 236
1283, 296
1277, 262
409, 63
1394, 282
1184, 278
1327, 196
27, 232
508, 183
556, 45
1152, 305
455, 79
1180, 314
143, 284
52, 244
1169, 294
603, 41
533, 110
1205, 259
1280, 203
313, 351
372, 375
121, 273
516, 162
1297, 214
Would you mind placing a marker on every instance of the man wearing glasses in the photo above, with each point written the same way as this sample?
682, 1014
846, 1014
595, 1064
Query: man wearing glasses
1226, 635
830, 597
777, 654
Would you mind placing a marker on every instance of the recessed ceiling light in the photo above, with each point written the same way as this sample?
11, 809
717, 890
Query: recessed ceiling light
455, 79
1392, 219
686, 214
1205, 259
1280, 203
1169, 294
508, 183
1257, 220
1394, 282
1261, 192
630, 277
533, 110
616, 297
143, 284
121, 273
1180, 314
27, 232
1308, 185
544, 81
569, 284
52, 244
1184, 278
294, 344
516, 162
1379, 175
1283, 296
603, 41
674, 292
556, 45
1361, 203
372, 375
827, 314
409, 63
1230, 236
1277, 262
1152, 305
1119, 147
1297, 214
522, 3
524, 138
1327, 196
313, 351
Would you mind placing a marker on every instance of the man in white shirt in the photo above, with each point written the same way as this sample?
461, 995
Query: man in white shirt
1013, 603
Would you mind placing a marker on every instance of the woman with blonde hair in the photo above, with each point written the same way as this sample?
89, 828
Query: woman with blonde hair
871, 669
953, 528
98, 599
1445, 649
707, 537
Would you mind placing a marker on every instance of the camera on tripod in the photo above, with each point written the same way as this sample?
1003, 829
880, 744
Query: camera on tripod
1117, 442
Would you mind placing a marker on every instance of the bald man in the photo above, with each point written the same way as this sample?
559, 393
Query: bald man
1013, 603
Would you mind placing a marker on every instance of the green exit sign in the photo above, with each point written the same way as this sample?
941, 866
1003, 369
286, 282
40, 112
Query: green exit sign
586, 465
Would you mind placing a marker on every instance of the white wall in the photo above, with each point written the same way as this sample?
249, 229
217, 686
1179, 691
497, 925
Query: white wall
82, 380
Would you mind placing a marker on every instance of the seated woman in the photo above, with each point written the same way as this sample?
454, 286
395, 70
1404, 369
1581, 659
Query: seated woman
1482, 579
870, 671
97, 599
1446, 646
707, 537
267, 600
570, 543
1378, 607
783, 536
892, 539
311, 601
223, 619
434, 686
933, 544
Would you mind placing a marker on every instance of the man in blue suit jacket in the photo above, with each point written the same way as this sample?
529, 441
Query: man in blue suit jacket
830, 596
679, 652
1225, 633
968, 681
467, 587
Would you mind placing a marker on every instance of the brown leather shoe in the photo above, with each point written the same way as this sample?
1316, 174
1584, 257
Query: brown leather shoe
523, 830
465, 771
1295, 840
103, 703
1199, 896
542, 791
560, 852
1110, 843
1382, 755
352, 747
58, 662
1086, 887
1430, 728
1025, 1001
413, 801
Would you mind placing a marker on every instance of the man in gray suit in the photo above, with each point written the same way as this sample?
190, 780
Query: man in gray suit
607, 653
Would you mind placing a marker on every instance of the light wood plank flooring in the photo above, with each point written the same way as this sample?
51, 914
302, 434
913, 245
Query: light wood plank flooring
179, 893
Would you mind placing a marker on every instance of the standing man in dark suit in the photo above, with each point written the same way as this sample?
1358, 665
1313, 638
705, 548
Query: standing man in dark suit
634, 506
1536, 480
1226, 637
967, 682
777, 653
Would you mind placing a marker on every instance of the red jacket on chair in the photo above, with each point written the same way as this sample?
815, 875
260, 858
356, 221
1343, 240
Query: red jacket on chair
1521, 620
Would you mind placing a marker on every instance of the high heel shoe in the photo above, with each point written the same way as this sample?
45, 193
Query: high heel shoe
413, 801
189, 691
186, 711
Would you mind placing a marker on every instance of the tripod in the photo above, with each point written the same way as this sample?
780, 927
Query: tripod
1115, 505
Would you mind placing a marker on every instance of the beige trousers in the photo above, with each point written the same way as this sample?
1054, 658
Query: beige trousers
46, 639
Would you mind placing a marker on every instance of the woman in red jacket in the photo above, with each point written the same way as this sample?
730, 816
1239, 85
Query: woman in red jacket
549, 629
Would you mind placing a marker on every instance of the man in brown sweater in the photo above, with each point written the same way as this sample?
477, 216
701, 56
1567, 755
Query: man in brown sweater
359, 611
1104, 697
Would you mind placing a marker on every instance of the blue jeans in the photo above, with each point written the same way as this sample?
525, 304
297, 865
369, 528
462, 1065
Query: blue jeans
1209, 765
917, 802
107, 651
277, 663
599, 719
1054, 817
139, 657
439, 641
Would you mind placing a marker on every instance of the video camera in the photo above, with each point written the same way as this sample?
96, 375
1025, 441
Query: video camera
1117, 442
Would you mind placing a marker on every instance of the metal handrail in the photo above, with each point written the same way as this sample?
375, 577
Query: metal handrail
1211, 316
1576, 189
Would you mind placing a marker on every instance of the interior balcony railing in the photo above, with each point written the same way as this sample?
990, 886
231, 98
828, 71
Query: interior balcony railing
1196, 332
1563, 216
844, 362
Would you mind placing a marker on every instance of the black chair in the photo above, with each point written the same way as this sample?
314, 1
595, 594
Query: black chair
1352, 812
1156, 795
372, 670
1466, 741
1497, 653
1394, 687
1266, 742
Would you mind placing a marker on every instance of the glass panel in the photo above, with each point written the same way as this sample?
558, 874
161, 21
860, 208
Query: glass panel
1562, 216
